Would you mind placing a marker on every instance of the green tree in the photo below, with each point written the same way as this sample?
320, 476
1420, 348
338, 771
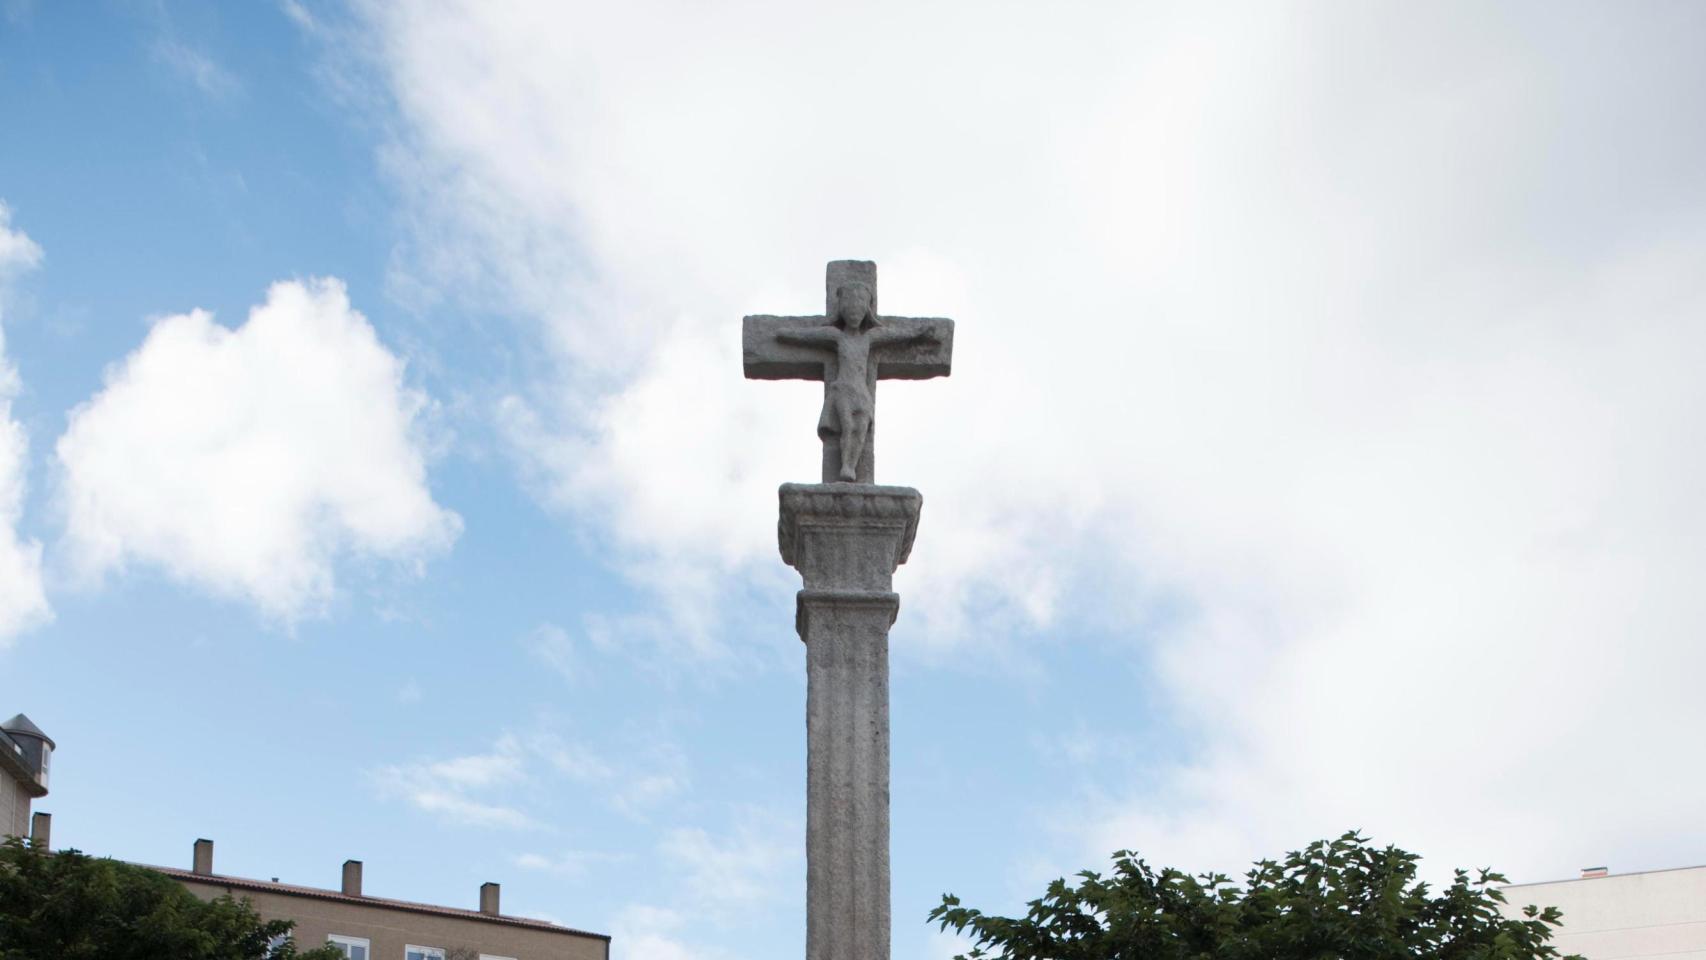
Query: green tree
67, 906
1334, 900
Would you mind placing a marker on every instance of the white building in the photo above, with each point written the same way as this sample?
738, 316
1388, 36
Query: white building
1659, 913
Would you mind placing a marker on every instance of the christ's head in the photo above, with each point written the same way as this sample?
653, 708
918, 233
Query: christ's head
853, 307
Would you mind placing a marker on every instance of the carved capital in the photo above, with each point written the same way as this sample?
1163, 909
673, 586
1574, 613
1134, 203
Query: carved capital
847, 535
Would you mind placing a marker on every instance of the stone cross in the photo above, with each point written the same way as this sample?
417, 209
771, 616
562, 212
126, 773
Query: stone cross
846, 536
849, 348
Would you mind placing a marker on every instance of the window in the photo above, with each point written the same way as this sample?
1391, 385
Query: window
355, 948
412, 952
493, 956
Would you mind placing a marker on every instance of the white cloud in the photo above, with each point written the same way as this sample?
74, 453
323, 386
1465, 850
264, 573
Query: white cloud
573, 863
1341, 343
198, 68
553, 647
299, 15
458, 808
249, 460
482, 788
23, 601
533, 861
17, 251
719, 879
738, 872
502, 765
455, 789
656, 933
646, 791
575, 760
648, 774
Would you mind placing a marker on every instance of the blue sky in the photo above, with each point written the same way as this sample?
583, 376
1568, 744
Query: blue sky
1318, 453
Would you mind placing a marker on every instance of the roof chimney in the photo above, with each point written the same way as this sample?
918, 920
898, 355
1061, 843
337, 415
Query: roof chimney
489, 898
203, 858
41, 830
352, 878
1588, 873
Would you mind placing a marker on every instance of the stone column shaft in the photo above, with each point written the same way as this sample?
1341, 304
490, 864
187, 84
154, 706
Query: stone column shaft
847, 779
846, 540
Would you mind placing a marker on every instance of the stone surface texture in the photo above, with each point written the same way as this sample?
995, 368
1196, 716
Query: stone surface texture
846, 536
846, 541
850, 347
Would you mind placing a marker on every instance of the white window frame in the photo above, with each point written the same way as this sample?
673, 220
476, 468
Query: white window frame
346, 941
430, 953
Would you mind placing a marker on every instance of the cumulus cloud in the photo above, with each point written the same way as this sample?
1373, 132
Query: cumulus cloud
657, 933
646, 775
249, 460
298, 15
458, 789
17, 251
23, 602
573, 863
481, 788
741, 871
1347, 358
723, 879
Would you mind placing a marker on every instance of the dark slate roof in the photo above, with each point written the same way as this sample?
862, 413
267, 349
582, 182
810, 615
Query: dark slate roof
12, 761
21, 724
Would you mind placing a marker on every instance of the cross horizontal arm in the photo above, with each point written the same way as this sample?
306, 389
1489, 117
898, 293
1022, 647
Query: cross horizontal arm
764, 357
918, 348
914, 348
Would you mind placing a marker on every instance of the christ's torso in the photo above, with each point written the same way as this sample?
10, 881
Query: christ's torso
853, 362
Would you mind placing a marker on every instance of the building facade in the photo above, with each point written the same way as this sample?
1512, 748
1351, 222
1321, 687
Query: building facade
26, 753
364, 927
1626, 916
377, 928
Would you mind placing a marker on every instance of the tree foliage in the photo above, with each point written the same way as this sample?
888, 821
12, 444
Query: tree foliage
1334, 900
68, 906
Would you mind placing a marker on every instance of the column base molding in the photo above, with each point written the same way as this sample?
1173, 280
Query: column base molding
807, 601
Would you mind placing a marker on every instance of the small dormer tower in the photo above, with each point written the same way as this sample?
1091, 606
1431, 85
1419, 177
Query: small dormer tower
25, 756
36, 748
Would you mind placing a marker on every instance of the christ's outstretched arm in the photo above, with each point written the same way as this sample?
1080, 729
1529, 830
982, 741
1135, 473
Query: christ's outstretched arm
810, 337
889, 336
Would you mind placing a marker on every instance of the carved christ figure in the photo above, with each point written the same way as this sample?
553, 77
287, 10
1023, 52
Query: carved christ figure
849, 400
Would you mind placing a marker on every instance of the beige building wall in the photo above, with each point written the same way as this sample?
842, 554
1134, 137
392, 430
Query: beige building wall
1661, 913
14, 807
390, 928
